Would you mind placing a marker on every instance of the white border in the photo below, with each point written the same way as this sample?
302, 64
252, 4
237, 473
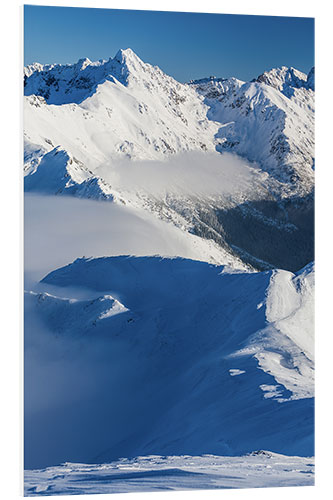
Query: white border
12, 227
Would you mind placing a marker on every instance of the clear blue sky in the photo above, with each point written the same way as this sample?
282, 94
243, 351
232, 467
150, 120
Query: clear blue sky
184, 45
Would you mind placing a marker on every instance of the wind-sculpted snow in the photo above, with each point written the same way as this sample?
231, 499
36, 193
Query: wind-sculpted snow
169, 357
153, 473
72, 317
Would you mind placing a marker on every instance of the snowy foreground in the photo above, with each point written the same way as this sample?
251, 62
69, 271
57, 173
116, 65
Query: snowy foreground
154, 473
153, 357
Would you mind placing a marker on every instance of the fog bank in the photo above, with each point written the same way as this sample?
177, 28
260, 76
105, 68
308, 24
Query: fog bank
192, 173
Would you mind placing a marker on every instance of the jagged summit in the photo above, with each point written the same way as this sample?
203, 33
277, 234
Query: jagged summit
207, 80
311, 79
284, 79
122, 56
279, 78
65, 83
125, 55
83, 63
124, 108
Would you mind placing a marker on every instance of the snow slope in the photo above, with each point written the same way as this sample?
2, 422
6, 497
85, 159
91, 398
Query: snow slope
166, 356
58, 173
130, 109
153, 473
270, 121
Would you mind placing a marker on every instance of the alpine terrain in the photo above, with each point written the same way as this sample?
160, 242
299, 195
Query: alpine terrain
169, 278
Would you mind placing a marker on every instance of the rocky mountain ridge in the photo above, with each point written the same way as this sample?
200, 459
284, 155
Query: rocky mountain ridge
105, 112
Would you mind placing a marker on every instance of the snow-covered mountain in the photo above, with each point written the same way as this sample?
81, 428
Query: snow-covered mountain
58, 173
126, 109
142, 113
189, 328
287, 79
149, 355
102, 113
269, 120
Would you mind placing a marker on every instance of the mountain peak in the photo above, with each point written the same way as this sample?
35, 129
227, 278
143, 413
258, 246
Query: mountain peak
311, 79
83, 63
128, 59
125, 54
283, 77
31, 68
59, 83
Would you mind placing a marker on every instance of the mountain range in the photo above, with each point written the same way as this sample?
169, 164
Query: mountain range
169, 255
84, 118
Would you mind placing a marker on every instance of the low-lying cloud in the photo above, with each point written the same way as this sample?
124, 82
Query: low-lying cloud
58, 229
189, 174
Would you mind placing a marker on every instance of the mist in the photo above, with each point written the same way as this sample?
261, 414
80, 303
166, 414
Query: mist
68, 383
59, 229
64, 376
189, 174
